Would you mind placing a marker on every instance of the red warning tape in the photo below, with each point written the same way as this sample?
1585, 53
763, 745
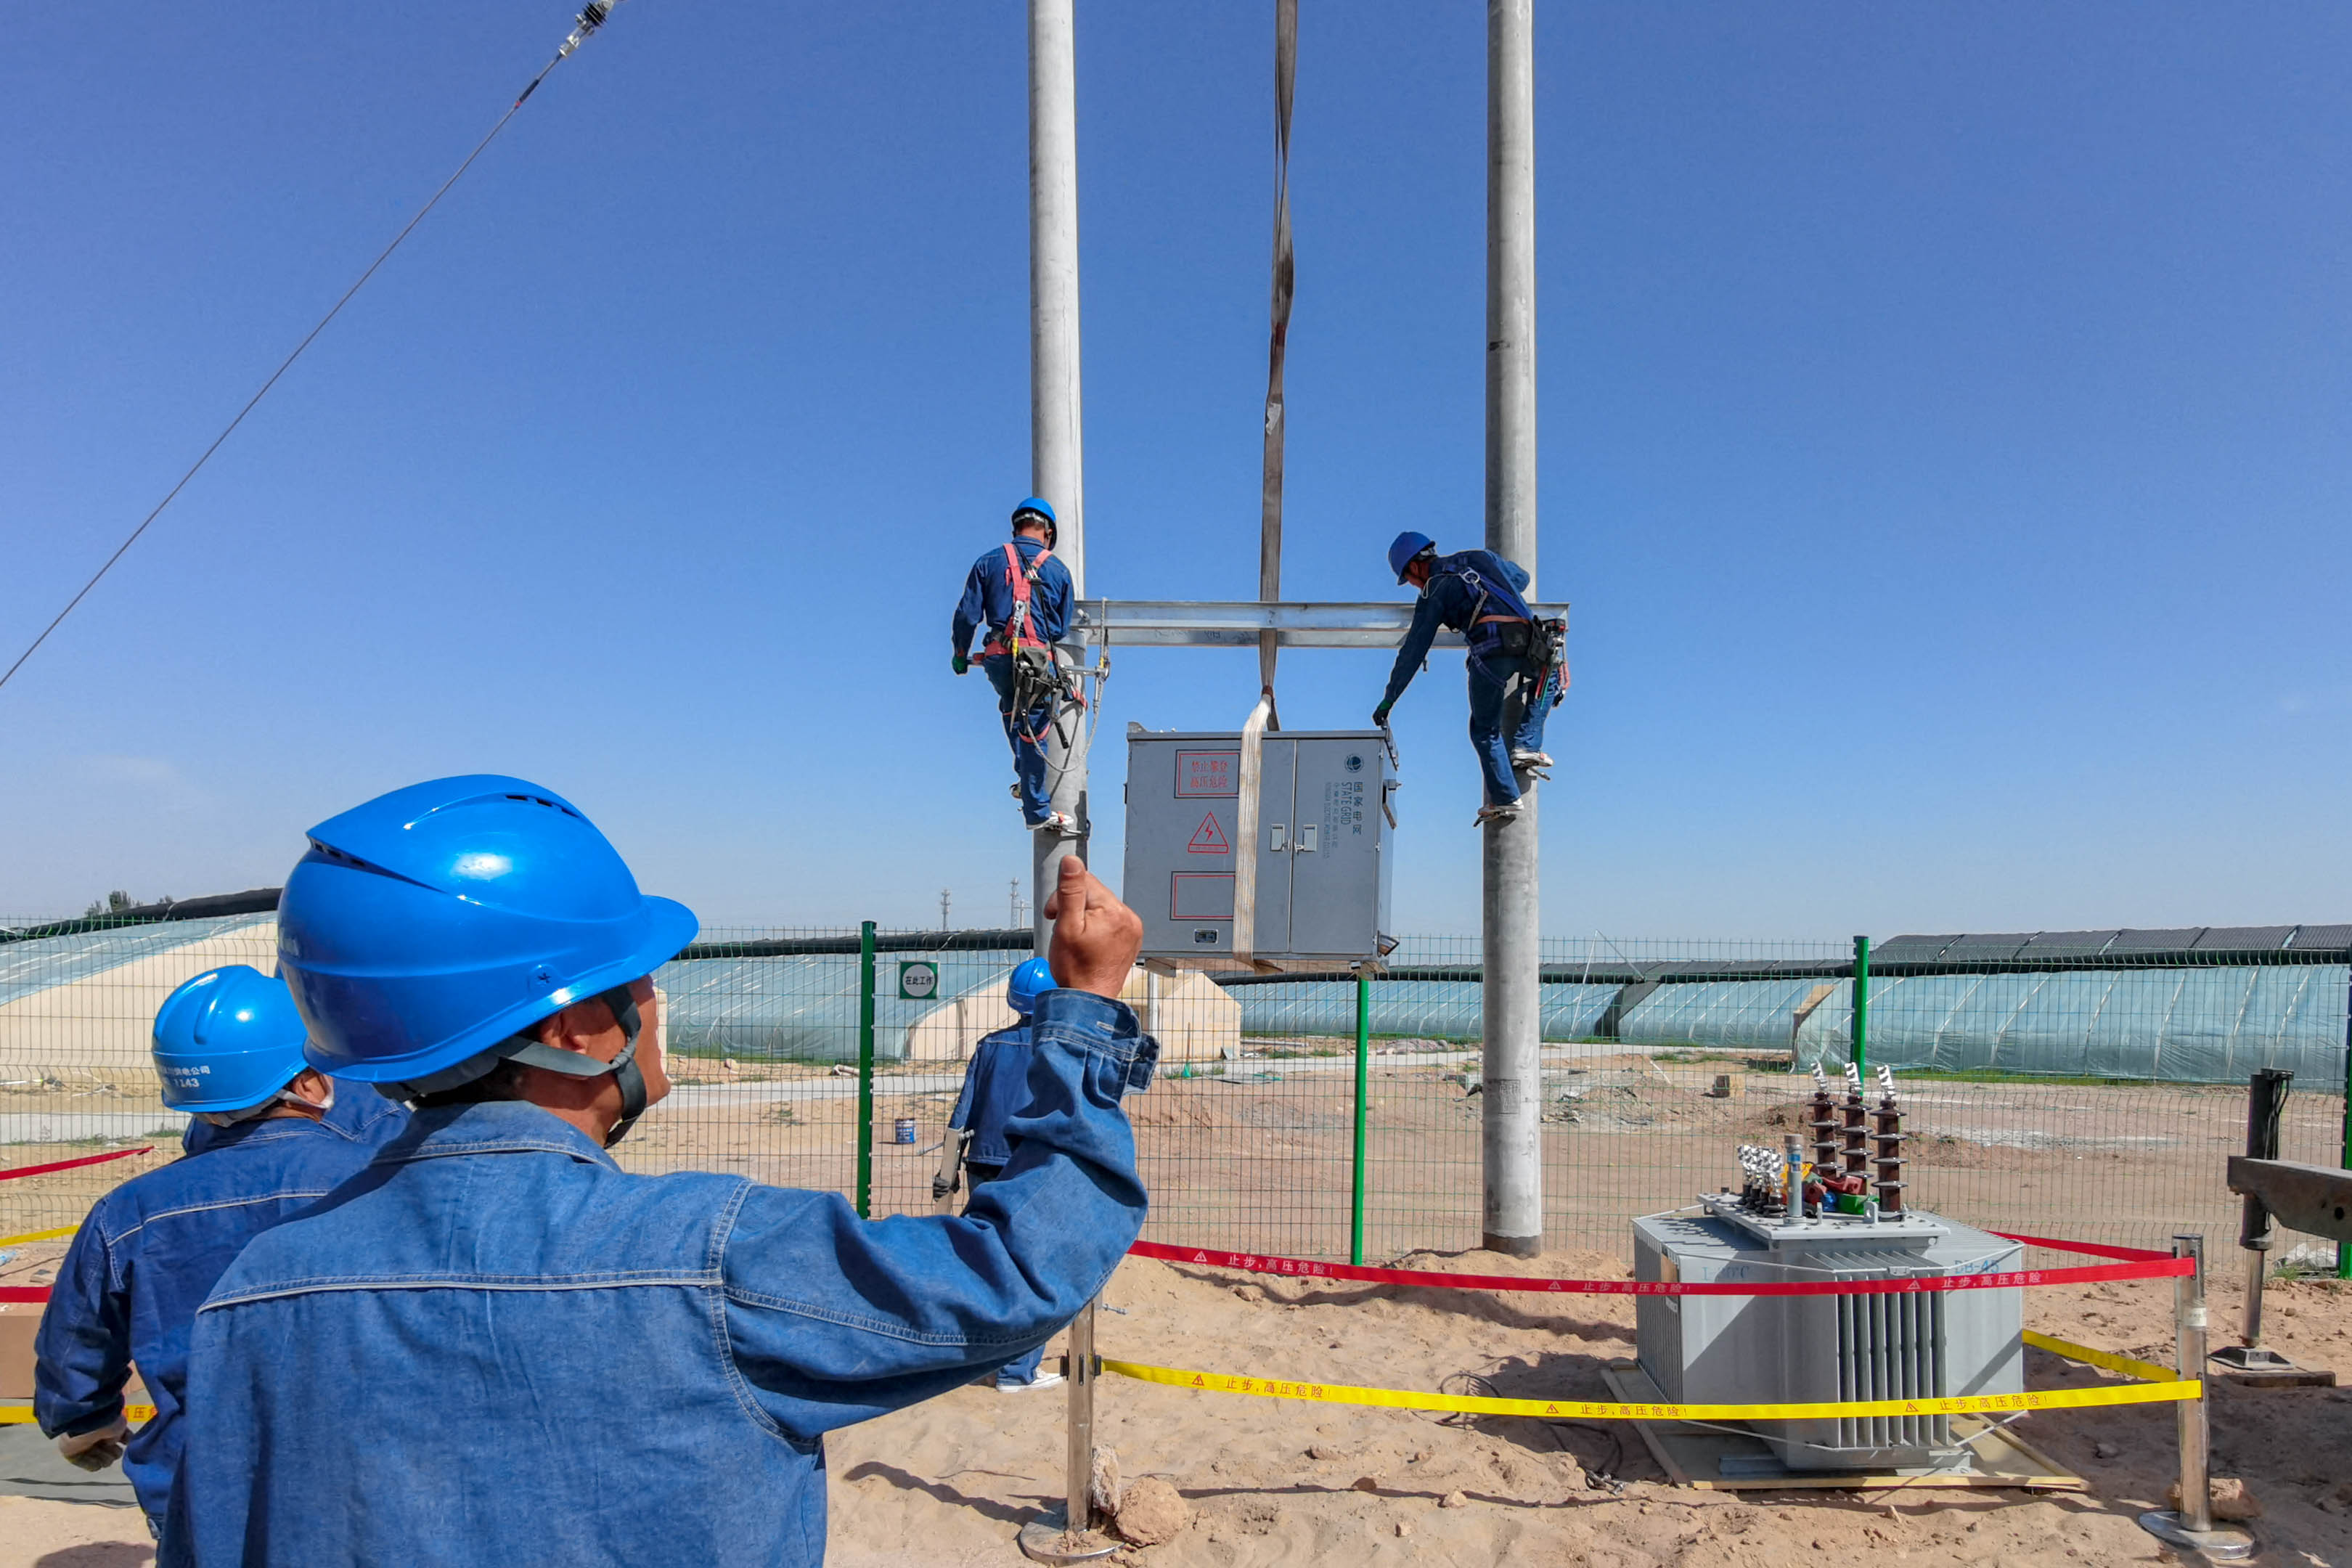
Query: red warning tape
2144, 1265
11, 1175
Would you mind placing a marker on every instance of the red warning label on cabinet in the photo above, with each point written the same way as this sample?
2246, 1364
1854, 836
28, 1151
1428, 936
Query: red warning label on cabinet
1208, 773
1208, 839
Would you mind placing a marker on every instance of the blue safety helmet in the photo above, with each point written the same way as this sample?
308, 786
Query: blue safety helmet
227, 1040
1032, 976
1039, 507
428, 929
1409, 547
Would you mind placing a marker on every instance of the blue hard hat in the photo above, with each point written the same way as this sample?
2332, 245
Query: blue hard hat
1408, 545
1037, 504
227, 1040
437, 922
1032, 976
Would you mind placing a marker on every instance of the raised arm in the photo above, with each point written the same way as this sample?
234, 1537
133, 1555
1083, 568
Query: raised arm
834, 1320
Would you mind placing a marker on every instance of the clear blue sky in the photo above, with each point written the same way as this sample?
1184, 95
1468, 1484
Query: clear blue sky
1944, 438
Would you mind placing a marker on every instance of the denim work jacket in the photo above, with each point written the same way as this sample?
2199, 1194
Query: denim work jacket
496, 1347
1462, 588
995, 1087
152, 1248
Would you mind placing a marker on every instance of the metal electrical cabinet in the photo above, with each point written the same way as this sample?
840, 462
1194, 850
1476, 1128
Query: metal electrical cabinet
1323, 816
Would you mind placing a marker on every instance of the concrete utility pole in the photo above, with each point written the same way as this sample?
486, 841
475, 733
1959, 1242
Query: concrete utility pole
1056, 463
1512, 1143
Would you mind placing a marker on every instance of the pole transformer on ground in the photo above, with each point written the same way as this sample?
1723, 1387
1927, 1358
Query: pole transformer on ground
1057, 465
1513, 1091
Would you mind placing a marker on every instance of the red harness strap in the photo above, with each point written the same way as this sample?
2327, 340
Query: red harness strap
1008, 636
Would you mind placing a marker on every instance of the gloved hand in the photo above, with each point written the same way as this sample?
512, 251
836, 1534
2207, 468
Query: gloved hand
960, 664
94, 1450
1380, 717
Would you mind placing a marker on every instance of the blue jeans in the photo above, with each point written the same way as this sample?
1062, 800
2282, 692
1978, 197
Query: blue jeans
1020, 730
1021, 1371
1503, 719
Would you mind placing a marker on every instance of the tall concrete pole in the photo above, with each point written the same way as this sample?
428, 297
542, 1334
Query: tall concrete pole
1512, 1142
1057, 465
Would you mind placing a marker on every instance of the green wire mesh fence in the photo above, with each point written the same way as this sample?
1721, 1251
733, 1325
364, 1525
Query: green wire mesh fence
2088, 1090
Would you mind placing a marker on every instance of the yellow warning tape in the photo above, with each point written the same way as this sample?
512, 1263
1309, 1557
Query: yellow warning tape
18, 1415
1340, 1394
2147, 1372
39, 1235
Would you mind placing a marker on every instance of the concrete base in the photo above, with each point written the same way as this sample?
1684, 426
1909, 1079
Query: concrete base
2251, 1366
1046, 1540
1513, 1246
2220, 1544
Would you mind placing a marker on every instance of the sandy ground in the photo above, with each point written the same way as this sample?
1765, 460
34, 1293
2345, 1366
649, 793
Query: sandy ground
1288, 1482
1272, 1482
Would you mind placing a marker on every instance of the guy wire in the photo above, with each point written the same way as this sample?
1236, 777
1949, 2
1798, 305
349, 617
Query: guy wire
585, 24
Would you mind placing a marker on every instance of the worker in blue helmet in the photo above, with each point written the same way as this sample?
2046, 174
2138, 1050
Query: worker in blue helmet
535, 1356
996, 1088
1513, 684
278, 1138
1019, 595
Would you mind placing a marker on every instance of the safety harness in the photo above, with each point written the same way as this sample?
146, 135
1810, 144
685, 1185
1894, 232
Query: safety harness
1039, 682
1546, 642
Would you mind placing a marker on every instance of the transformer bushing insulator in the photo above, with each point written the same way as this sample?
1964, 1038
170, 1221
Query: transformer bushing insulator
1889, 1157
1856, 1157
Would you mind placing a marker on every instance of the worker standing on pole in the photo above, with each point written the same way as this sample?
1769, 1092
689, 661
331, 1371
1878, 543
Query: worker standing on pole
275, 1137
995, 1087
498, 1347
1021, 595
1514, 680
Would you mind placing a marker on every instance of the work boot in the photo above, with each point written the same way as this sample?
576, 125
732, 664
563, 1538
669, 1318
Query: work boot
1061, 824
1492, 813
1042, 1380
1520, 759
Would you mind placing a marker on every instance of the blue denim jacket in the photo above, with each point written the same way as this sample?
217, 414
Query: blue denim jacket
1462, 587
150, 1251
995, 1087
496, 1347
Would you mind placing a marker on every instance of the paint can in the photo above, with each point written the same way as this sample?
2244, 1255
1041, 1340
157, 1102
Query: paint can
903, 1129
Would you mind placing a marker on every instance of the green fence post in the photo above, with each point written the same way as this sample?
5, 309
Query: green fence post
1363, 1083
866, 1070
2343, 1248
1861, 1004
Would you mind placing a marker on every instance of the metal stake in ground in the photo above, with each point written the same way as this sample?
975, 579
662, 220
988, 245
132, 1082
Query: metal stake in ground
1063, 1539
2192, 1525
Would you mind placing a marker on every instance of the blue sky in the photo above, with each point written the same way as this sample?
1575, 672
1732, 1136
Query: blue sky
1943, 418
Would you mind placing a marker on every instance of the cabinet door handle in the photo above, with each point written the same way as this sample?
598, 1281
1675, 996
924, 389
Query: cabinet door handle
1277, 838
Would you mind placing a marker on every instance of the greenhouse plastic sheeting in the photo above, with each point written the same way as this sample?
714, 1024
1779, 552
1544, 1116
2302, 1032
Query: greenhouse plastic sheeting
2176, 1025
43, 962
1432, 1009
1720, 1013
805, 1005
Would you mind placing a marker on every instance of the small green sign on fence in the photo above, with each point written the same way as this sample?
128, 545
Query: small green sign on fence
919, 980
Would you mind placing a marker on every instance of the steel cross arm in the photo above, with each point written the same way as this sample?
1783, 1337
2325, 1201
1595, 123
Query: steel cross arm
1182, 623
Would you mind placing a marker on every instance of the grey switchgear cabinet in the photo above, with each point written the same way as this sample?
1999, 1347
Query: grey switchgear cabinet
1323, 824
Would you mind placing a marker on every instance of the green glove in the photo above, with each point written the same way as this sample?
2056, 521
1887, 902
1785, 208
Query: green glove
960, 663
1380, 717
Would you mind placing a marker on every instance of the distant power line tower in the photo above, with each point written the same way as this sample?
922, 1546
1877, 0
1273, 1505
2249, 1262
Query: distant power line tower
1020, 905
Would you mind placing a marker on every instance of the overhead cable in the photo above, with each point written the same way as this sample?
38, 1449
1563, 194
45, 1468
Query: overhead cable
584, 26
